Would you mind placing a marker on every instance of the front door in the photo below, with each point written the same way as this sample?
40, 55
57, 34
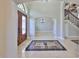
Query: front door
22, 27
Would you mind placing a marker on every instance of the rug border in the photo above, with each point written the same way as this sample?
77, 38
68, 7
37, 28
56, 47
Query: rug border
64, 49
74, 42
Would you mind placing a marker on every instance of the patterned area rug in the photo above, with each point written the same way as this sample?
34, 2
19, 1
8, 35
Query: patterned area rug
76, 41
45, 45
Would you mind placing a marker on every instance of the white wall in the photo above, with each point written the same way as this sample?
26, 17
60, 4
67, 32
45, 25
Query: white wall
32, 26
59, 21
47, 26
71, 29
2, 28
62, 27
8, 29
11, 29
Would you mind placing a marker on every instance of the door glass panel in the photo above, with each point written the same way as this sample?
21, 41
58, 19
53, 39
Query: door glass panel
23, 24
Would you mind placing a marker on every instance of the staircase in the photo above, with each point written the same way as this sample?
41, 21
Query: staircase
71, 24
72, 17
71, 13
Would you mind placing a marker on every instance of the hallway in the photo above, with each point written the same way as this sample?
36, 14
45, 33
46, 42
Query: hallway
71, 48
46, 16
44, 36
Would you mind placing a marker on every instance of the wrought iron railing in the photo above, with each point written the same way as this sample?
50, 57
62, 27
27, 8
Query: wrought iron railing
72, 18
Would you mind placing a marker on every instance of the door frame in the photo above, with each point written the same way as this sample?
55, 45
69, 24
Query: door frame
21, 38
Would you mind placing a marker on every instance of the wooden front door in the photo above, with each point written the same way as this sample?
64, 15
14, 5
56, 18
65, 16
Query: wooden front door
22, 27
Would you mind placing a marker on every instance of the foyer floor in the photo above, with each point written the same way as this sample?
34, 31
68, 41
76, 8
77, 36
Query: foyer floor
71, 52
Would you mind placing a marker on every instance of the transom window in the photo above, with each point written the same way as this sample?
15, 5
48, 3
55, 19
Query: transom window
23, 7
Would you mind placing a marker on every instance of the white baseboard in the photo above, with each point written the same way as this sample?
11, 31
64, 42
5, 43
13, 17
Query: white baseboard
72, 37
28, 37
44, 32
61, 38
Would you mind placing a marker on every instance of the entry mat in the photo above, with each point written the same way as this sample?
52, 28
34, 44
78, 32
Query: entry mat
76, 41
45, 45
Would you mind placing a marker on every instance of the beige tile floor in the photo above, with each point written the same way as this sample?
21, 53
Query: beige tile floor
72, 48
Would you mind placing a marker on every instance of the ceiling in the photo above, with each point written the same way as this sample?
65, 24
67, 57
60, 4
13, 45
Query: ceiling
45, 9
21, 1
48, 9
